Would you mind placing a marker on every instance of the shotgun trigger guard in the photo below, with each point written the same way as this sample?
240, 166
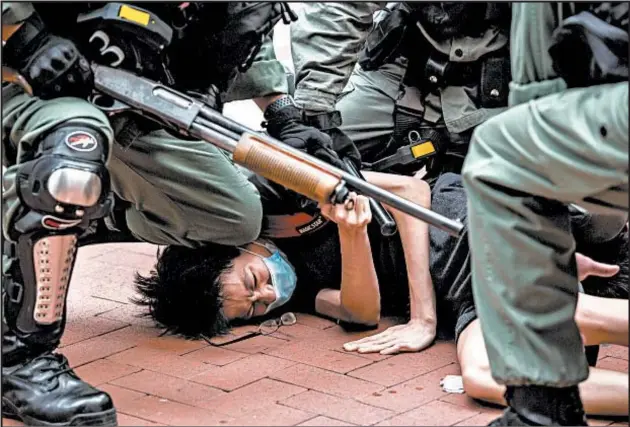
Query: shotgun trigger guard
340, 193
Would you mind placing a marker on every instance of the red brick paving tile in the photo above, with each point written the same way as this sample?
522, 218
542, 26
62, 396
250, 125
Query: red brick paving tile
215, 356
617, 351
465, 401
407, 396
81, 305
11, 422
393, 371
325, 381
173, 344
106, 345
141, 248
78, 330
121, 396
431, 380
314, 321
336, 407
129, 313
310, 354
160, 361
299, 332
93, 349
103, 371
128, 420
324, 422
129, 258
255, 397
482, 419
434, 413
173, 413
272, 415
256, 344
87, 252
172, 388
613, 363
241, 372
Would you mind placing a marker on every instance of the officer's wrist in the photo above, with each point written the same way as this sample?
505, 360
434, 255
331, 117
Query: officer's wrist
280, 103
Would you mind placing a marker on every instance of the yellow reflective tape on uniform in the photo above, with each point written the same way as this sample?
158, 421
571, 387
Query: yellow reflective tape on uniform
422, 149
134, 15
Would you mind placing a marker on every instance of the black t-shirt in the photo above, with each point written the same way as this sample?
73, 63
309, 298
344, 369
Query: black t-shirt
316, 256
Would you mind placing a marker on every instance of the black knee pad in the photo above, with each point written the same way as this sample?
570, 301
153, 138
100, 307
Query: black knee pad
66, 180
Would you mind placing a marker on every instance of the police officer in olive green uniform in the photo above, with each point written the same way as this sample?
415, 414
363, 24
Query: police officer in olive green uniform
66, 159
416, 80
564, 140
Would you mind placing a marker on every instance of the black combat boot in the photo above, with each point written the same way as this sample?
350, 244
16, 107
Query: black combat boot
40, 389
542, 406
38, 386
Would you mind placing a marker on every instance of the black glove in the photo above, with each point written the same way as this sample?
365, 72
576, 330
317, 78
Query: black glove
290, 126
287, 125
53, 67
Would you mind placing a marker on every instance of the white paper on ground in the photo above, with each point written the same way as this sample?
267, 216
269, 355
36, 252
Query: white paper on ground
452, 384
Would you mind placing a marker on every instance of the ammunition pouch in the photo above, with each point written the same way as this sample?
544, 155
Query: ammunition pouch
385, 40
492, 73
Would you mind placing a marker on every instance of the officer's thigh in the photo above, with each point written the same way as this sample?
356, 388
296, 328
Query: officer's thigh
184, 192
367, 104
570, 146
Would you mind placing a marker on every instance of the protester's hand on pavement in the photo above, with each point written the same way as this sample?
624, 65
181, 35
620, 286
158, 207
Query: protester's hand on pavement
411, 337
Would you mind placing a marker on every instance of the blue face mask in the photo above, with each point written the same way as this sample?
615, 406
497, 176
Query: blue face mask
283, 278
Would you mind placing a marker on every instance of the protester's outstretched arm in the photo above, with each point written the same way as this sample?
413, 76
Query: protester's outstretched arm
420, 331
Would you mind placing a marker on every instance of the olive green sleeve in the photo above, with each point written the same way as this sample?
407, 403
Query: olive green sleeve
531, 33
266, 76
325, 43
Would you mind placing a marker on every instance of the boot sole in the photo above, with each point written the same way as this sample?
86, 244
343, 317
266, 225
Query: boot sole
105, 418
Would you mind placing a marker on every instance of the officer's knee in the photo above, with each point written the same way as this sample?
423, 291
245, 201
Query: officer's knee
67, 177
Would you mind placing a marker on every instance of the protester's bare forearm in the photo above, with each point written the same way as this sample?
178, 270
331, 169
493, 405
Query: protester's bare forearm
360, 296
414, 235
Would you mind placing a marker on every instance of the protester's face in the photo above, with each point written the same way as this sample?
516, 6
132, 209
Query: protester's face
246, 288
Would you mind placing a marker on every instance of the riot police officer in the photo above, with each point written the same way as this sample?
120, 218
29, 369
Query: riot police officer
67, 160
564, 140
427, 74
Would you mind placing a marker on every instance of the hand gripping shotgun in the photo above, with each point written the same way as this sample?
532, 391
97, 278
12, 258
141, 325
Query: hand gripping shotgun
253, 150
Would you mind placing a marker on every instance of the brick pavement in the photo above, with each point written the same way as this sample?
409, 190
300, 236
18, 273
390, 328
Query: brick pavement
298, 376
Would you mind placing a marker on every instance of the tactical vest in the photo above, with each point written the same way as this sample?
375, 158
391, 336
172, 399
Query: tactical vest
404, 32
421, 33
186, 45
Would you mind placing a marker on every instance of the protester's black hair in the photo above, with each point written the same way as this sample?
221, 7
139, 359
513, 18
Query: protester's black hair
182, 292
615, 252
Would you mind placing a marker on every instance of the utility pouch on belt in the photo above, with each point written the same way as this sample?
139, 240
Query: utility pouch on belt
495, 79
384, 40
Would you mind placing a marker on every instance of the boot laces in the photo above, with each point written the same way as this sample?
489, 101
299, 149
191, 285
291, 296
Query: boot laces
59, 365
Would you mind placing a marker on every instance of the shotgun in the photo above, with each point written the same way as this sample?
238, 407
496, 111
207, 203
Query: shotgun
253, 150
